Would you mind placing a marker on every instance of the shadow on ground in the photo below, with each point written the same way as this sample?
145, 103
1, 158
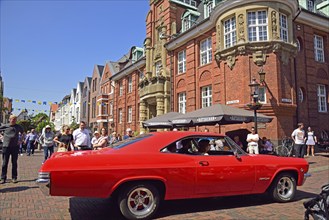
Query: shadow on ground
16, 189
81, 208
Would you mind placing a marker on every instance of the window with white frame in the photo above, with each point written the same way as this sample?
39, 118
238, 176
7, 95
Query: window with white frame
257, 25
182, 102
322, 98
206, 96
120, 115
130, 114
208, 8
104, 108
230, 32
318, 48
205, 51
300, 95
120, 89
130, 84
188, 21
182, 62
111, 108
310, 5
262, 94
158, 67
283, 27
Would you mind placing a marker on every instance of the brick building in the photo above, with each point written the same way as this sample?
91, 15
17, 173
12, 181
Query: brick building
199, 53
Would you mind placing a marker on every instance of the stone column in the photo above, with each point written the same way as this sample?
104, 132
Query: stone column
142, 114
160, 105
148, 67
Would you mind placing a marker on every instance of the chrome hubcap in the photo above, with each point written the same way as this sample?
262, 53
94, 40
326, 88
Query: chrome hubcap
140, 201
285, 187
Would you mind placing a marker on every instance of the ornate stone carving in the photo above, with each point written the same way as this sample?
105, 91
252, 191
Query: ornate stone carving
259, 58
274, 25
218, 32
241, 37
230, 60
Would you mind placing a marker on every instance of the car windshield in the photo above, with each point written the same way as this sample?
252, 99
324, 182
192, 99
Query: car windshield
129, 141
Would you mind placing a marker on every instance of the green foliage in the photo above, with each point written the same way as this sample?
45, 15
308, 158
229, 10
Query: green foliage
74, 125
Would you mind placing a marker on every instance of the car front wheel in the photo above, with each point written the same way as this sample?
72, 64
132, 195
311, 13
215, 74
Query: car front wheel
283, 188
139, 201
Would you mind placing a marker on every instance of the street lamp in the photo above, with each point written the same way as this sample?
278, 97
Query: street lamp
255, 105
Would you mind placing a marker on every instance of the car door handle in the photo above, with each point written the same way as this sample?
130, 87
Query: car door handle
204, 163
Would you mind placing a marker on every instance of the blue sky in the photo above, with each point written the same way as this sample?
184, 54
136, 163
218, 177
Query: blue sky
48, 46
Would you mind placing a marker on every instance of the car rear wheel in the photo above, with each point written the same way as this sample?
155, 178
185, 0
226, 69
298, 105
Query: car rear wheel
283, 188
139, 201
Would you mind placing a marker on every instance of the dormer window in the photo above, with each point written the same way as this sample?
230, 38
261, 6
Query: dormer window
310, 5
208, 6
137, 53
189, 19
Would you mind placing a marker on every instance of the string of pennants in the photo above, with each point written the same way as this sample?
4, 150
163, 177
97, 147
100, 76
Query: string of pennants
33, 110
50, 103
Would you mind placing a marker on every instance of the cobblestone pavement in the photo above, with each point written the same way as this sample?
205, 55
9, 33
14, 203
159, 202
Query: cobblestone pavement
25, 201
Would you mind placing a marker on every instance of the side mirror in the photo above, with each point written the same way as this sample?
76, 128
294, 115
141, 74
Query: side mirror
236, 154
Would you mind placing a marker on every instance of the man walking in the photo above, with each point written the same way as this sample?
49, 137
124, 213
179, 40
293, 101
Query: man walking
10, 147
81, 137
31, 140
298, 136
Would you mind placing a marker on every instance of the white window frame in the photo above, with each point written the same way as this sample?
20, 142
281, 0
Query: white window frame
283, 27
206, 51
120, 115
181, 62
206, 96
130, 84
230, 32
310, 5
300, 95
257, 26
322, 98
318, 48
130, 114
182, 102
120, 89
208, 8
262, 94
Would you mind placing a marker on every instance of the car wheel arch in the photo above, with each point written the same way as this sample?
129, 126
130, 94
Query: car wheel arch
292, 171
292, 175
158, 183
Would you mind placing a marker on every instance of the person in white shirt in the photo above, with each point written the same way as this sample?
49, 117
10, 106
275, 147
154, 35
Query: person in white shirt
94, 140
81, 137
298, 136
252, 140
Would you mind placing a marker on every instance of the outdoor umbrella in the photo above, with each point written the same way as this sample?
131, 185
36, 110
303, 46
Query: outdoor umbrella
218, 114
161, 121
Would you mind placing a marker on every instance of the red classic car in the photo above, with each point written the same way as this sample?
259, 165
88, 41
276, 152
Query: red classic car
141, 171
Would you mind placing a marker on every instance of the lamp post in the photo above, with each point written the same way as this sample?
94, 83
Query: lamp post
255, 105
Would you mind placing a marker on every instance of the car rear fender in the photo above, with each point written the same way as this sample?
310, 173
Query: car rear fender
158, 182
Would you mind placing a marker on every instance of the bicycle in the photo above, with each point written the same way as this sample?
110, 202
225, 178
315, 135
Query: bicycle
286, 148
318, 207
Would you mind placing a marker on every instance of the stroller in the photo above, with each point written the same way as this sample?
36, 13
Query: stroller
318, 207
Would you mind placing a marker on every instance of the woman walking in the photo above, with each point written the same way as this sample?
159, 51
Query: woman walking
47, 142
310, 141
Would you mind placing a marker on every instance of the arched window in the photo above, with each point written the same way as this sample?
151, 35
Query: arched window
300, 95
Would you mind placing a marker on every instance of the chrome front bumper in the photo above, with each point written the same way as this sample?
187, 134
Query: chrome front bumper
306, 175
43, 182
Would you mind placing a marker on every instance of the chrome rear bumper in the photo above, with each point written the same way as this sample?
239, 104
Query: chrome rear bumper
306, 175
43, 182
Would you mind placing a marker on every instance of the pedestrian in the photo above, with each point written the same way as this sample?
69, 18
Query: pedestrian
206, 130
252, 140
311, 140
10, 147
236, 139
298, 136
64, 139
102, 140
31, 140
94, 140
47, 142
129, 134
81, 137
114, 138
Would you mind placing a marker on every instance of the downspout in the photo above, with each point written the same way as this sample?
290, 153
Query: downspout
295, 69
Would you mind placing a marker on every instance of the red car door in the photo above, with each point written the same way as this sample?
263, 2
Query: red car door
224, 175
